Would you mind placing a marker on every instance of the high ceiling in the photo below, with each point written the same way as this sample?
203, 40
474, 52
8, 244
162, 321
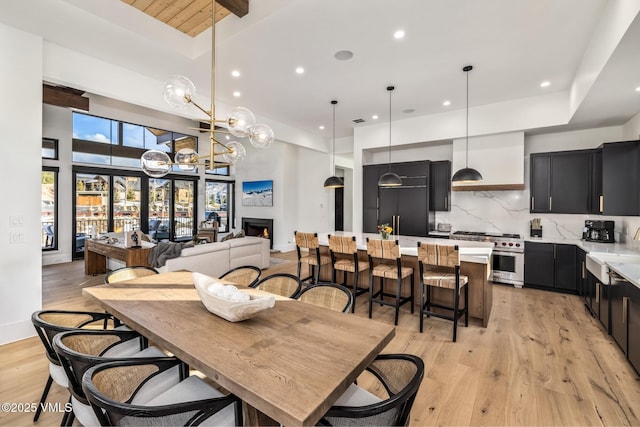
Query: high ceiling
513, 46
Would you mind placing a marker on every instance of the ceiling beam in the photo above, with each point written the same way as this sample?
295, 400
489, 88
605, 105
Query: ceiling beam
237, 7
64, 97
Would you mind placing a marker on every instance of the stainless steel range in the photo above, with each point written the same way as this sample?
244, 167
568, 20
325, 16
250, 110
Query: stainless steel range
507, 260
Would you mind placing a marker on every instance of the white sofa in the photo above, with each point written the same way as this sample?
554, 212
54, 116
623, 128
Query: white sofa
214, 259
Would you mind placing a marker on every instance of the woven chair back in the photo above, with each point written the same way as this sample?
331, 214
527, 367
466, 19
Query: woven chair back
343, 245
438, 255
328, 295
129, 273
383, 249
286, 285
245, 276
307, 240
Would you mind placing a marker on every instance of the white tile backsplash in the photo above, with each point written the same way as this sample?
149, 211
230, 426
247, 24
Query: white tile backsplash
508, 212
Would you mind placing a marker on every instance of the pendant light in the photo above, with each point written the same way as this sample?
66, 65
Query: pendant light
467, 174
334, 181
389, 179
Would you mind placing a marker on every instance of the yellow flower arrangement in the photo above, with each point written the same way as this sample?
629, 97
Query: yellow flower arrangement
384, 230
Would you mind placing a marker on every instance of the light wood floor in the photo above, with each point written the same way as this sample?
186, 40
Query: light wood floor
541, 361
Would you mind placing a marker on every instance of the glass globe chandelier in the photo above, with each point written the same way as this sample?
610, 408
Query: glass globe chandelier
179, 91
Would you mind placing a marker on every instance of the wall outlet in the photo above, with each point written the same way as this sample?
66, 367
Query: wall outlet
16, 238
16, 221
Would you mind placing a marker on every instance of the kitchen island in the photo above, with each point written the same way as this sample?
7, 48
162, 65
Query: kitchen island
475, 262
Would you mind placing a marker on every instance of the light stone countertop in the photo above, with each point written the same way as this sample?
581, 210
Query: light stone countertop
476, 252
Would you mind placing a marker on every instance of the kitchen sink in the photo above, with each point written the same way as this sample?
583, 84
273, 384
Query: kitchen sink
596, 263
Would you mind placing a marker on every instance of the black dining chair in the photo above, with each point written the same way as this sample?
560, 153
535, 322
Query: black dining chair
113, 390
399, 376
128, 273
48, 323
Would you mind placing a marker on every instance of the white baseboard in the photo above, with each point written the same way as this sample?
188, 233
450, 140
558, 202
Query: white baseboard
16, 331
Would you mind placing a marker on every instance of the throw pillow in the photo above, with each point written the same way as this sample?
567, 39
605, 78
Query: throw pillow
239, 234
227, 237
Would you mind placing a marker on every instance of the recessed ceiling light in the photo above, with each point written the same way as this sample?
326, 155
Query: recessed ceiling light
236, 94
398, 34
300, 70
545, 83
374, 117
227, 137
638, 89
343, 55
235, 73
409, 110
446, 103
321, 127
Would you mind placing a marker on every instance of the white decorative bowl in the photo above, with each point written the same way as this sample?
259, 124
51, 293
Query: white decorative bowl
229, 310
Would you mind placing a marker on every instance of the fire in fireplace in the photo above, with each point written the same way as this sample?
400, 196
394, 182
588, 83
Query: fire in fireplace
259, 227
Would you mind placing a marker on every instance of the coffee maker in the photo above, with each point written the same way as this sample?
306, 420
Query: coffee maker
598, 231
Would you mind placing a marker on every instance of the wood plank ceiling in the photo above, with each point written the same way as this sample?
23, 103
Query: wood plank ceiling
189, 16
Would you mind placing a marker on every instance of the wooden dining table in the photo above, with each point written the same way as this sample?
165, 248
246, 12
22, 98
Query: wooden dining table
290, 362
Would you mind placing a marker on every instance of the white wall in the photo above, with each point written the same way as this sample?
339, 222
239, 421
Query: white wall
21, 124
631, 129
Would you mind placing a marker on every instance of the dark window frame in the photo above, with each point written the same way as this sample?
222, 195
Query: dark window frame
54, 145
56, 171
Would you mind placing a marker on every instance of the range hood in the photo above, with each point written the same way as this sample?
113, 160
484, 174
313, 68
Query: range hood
498, 157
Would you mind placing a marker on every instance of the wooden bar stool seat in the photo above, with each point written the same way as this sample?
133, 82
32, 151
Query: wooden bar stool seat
344, 257
440, 268
313, 259
385, 262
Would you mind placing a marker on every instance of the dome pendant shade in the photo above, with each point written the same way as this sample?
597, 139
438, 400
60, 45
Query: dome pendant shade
466, 175
333, 182
389, 179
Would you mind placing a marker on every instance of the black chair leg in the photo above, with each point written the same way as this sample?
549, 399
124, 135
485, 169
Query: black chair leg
381, 290
428, 300
398, 289
355, 288
45, 393
466, 306
456, 302
370, 295
413, 299
421, 306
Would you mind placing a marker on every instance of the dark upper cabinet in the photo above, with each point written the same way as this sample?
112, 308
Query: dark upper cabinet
561, 182
596, 182
440, 186
370, 175
620, 178
550, 266
540, 183
405, 208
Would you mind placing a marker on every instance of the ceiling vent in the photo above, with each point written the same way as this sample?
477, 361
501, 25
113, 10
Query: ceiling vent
358, 120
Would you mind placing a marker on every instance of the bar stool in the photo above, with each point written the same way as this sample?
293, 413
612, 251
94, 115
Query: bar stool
385, 252
313, 259
443, 262
344, 257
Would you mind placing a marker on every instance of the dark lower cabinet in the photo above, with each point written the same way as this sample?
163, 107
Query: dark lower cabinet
619, 294
633, 325
604, 291
592, 294
538, 264
550, 266
581, 272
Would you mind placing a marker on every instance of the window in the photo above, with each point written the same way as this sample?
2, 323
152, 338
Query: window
49, 148
101, 141
49, 208
218, 203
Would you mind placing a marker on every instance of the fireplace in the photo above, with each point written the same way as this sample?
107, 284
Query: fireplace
260, 227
